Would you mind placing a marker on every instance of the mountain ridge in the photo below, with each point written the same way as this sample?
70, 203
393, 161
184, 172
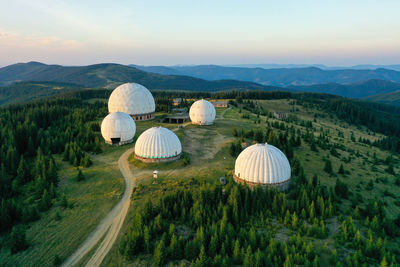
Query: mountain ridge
282, 77
354, 90
392, 98
109, 75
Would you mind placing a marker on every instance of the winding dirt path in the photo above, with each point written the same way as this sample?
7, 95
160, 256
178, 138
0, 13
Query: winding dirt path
221, 116
110, 226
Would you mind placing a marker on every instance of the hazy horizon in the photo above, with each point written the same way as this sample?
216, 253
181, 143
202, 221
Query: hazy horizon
205, 64
177, 32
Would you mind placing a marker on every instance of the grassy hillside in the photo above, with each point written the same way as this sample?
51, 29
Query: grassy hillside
111, 75
27, 91
61, 230
392, 98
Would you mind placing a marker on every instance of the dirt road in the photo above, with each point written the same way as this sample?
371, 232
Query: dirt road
221, 116
110, 226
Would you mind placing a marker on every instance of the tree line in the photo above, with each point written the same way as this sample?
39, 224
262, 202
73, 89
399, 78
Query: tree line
30, 135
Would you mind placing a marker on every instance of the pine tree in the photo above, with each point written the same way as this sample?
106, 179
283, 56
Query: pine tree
341, 189
45, 201
64, 202
52, 172
52, 190
31, 147
66, 155
383, 262
202, 260
258, 136
253, 237
312, 210
22, 172
258, 259
328, 166
341, 169
174, 249
234, 132
390, 169
294, 220
232, 150
236, 252
80, 176
18, 239
87, 162
287, 262
286, 220
314, 147
248, 258
76, 161
146, 239
357, 239
213, 247
57, 260
375, 224
5, 219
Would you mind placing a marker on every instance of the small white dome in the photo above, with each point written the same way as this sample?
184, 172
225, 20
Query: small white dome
202, 112
118, 128
262, 164
158, 143
131, 98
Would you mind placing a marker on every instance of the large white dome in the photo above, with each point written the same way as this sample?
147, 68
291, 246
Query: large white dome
158, 144
263, 164
118, 128
202, 112
133, 99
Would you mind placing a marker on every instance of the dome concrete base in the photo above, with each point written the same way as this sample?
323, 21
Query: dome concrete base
143, 117
151, 160
120, 143
280, 186
202, 124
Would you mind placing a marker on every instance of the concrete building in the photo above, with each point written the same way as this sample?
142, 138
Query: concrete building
220, 104
176, 101
177, 118
280, 115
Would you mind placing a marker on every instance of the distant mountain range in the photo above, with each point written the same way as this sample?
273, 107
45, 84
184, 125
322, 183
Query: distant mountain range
321, 66
283, 77
111, 75
39, 79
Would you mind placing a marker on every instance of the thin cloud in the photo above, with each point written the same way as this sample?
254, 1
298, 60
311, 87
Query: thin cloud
16, 40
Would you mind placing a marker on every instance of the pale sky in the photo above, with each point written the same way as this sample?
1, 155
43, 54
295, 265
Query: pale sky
169, 32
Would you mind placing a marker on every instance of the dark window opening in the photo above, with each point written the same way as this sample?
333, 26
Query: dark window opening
115, 141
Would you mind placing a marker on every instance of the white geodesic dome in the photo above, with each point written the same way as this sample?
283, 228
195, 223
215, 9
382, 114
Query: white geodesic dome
131, 98
262, 164
158, 143
202, 112
118, 128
